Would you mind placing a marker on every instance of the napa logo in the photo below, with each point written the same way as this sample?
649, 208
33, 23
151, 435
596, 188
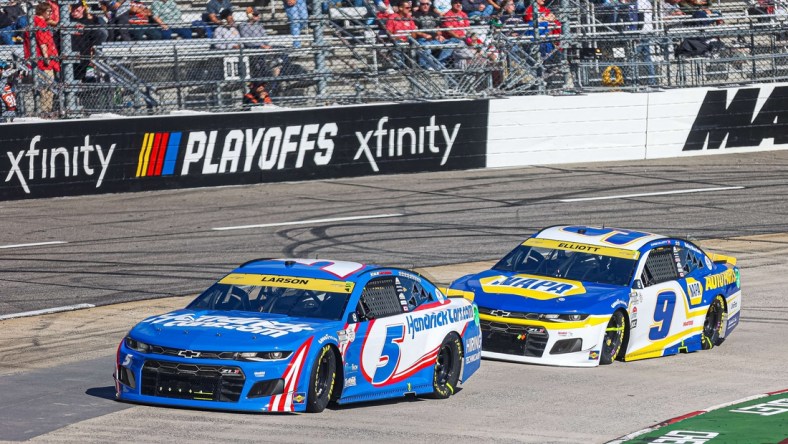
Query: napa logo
536, 287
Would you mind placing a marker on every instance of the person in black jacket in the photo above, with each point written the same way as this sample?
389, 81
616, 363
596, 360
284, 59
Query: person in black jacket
88, 33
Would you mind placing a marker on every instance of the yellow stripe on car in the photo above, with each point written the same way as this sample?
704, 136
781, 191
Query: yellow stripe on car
583, 248
305, 283
452, 293
656, 349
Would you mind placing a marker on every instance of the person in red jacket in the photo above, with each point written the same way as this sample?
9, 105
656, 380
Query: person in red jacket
546, 17
46, 54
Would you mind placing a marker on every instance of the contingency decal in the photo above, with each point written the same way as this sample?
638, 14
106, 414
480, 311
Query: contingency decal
536, 287
284, 401
254, 325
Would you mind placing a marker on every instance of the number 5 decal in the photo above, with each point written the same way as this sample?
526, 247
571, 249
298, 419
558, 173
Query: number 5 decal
663, 315
389, 356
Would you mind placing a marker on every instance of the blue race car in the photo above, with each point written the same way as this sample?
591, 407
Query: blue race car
583, 296
293, 335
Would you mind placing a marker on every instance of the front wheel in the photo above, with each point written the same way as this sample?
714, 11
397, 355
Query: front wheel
447, 367
714, 324
321, 380
614, 338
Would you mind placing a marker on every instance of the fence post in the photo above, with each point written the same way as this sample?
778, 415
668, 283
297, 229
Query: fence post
565, 44
319, 44
68, 54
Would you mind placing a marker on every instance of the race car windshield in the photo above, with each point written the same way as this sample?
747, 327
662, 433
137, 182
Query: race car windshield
568, 264
296, 302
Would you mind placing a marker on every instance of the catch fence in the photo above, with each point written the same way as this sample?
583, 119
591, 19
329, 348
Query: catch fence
344, 56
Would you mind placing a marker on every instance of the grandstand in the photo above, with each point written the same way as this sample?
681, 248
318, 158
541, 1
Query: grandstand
347, 57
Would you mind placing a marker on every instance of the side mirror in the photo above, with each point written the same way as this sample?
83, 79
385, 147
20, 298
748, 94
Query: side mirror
637, 285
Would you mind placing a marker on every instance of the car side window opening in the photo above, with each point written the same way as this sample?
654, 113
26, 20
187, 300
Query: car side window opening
411, 293
379, 299
690, 260
660, 267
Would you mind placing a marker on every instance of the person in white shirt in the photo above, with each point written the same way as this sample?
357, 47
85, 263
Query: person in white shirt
227, 32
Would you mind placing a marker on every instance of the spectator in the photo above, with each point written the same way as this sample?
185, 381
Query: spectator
117, 13
142, 26
704, 16
401, 26
12, 20
546, 24
298, 18
670, 8
509, 17
54, 18
688, 7
87, 33
8, 78
227, 32
259, 64
478, 8
168, 16
257, 95
46, 55
428, 21
210, 18
455, 23
643, 46
254, 28
545, 15
671, 13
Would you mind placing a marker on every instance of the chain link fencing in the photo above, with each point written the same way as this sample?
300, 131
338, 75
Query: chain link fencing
344, 56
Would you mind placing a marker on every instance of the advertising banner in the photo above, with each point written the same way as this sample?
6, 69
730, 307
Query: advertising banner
704, 121
67, 158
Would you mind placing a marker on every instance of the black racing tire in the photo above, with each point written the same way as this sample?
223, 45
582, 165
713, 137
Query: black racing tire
448, 365
714, 324
321, 380
613, 341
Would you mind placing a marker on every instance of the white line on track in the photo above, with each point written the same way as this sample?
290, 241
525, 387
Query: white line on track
306, 222
658, 193
36, 244
45, 311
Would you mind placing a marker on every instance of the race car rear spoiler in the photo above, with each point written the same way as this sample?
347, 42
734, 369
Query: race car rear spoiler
722, 259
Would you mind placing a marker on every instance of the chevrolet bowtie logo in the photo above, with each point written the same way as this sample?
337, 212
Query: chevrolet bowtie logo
189, 354
501, 313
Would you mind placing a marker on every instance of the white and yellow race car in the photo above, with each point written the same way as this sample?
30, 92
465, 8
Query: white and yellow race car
583, 296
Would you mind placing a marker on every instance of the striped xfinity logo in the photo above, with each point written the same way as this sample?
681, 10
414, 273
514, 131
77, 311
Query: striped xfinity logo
158, 154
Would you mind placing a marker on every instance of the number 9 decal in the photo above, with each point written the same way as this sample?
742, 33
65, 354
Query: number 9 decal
389, 356
663, 315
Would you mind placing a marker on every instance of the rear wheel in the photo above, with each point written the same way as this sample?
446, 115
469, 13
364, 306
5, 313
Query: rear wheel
321, 380
614, 338
714, 324
447, 367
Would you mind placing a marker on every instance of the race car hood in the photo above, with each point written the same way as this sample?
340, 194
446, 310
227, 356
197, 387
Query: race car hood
205, 330
528, 293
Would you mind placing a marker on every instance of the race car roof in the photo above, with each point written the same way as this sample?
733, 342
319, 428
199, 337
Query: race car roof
598, 236
314, 268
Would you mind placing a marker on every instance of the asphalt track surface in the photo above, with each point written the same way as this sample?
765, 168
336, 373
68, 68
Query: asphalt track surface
137, 254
